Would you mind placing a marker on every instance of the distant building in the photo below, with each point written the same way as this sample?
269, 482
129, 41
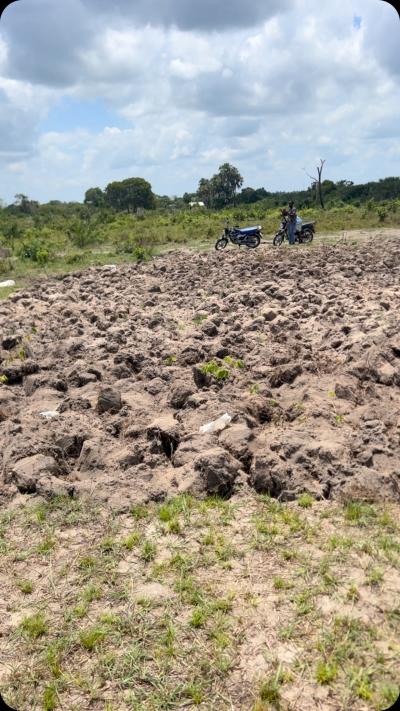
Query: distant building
196, 204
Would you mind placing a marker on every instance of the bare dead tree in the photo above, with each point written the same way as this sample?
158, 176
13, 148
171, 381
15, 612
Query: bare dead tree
318, 182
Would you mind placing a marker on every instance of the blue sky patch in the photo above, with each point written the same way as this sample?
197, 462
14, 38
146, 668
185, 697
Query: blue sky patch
357, 21
73, 114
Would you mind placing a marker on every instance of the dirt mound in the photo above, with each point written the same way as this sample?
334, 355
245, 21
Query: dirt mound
108, 375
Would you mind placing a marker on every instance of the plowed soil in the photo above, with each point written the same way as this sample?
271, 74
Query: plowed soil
305, 356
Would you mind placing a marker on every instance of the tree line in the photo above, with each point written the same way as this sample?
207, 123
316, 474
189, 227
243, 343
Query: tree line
224, 189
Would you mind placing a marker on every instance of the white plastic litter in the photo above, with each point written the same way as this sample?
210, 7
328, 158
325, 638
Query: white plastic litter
5, 284
217, 425
110, 267
49, 414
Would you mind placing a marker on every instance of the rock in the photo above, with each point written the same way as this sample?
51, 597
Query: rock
369, 485
10, 342
189, 448
268, 476
386, 374
91, 456
26, 472
131, 456
16, 372
202, 380
236, 440
218, 471
268, 314
70, 445
79, 379
50, 486
285, 374
191, 355
210, 329
109, 400
164, 431
345, 392
179, 395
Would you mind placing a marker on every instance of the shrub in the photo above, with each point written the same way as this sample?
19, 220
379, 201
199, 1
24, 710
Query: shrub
5, 266
36, 251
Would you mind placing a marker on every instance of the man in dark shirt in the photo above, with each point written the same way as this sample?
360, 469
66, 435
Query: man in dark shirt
292, 217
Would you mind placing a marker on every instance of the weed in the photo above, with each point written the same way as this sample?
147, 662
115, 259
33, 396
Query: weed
170, 360
198, 617
305, 500
214, 369
375, 577
199, 319
92, 637
26, 586
132, 540
353, 594
46, 545
234, 363
92, 592
270, 692
87, 564
282, 584
326, 672
254, 389
50, 697
359, 513
3, 380
140, 511
148, 551
34, 626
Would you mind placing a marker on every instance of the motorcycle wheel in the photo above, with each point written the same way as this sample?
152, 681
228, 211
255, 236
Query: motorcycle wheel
278, 239
308, 236
221, 243
253, 242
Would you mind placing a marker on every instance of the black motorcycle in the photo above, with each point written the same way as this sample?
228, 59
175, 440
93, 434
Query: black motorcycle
249, 237
303, 235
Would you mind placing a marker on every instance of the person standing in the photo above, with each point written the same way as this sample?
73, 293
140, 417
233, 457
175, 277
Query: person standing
291, 217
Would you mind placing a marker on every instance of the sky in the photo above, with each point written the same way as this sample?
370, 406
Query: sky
93, 91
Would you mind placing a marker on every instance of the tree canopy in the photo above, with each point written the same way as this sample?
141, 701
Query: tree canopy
221, 189
127, 195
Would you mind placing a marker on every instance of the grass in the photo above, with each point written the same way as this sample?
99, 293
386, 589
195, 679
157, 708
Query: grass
89, 639
26, 586
34, 626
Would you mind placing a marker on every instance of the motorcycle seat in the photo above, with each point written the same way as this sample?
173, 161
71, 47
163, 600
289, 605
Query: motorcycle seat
247, 230
307, 224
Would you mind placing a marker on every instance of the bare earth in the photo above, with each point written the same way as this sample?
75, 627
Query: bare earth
301, 348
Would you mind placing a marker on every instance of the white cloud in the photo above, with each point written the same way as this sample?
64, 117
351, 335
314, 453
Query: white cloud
191, 95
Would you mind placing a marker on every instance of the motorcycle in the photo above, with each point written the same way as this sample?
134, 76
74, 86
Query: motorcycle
304, 232
249, 237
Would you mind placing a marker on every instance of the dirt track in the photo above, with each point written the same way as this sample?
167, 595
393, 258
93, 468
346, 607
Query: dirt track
119, 356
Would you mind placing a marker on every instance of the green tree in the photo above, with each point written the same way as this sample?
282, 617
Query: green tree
221, 189
95, 197
205, 192
130, 194
25, 205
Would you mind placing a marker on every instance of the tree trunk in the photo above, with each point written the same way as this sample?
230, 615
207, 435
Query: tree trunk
319, 169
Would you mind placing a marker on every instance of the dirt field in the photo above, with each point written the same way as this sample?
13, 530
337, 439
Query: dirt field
133, 590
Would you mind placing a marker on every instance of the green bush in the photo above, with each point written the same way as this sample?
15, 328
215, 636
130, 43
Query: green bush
36, 251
